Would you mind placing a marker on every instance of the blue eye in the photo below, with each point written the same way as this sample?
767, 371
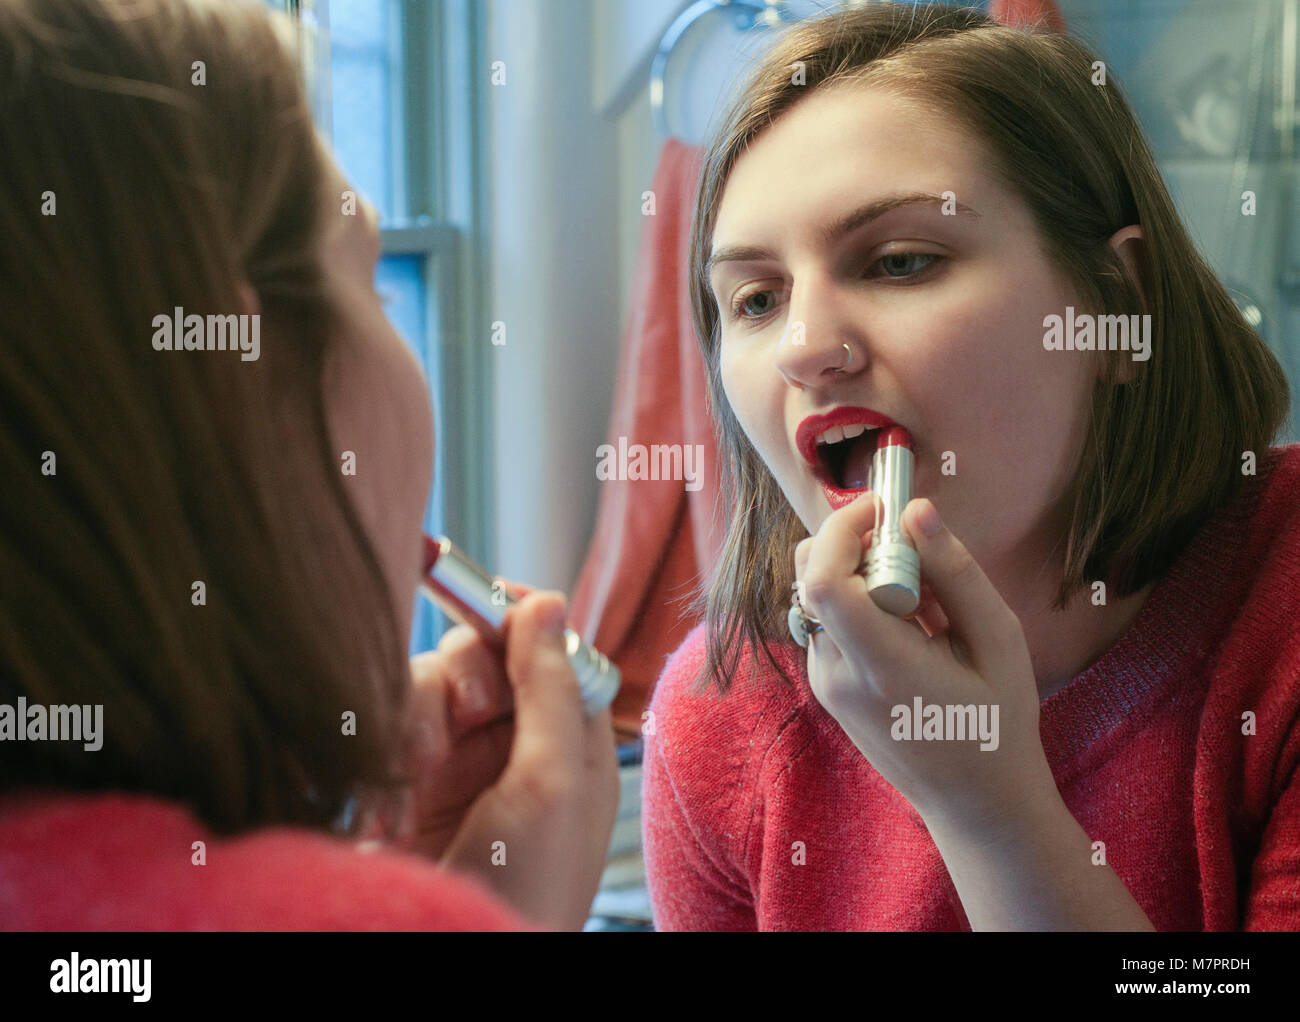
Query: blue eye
893, 260
896, 266
737, 308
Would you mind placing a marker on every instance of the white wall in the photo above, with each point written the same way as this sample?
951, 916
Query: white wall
572, 146
555, 277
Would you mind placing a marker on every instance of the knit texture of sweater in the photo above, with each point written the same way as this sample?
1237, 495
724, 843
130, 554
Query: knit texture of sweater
1177, 749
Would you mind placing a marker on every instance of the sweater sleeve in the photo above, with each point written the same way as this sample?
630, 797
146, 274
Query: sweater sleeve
307, 882
1273, 901
131, 862
683, 840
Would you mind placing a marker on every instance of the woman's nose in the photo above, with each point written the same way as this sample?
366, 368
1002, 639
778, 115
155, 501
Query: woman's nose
820, 344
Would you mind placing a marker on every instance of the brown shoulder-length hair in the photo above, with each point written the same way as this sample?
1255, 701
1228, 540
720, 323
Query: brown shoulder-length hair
134, 181
1165, 444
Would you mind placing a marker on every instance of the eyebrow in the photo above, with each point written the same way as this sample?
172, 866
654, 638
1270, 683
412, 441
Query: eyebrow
832, 232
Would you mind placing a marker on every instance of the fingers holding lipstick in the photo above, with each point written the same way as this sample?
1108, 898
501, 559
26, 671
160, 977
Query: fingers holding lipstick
477, 688
516, 590
834, 591
867, 509
978, 618
477, 677
848, 532
928, 614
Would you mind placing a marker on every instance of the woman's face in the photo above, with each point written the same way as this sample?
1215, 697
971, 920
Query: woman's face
378, 404
943, 314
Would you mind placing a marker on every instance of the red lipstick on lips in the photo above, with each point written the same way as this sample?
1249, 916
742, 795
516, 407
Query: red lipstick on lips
813, 426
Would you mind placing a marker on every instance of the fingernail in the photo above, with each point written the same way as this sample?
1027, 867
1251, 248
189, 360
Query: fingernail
472, 695
928, 520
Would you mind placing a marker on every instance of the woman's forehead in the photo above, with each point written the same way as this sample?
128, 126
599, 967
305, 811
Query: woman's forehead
848, 147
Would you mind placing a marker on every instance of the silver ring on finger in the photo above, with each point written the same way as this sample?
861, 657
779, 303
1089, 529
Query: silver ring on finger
803, 626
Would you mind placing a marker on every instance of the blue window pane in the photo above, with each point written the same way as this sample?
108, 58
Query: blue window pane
400, 281
360, 22
362, 142
366, 100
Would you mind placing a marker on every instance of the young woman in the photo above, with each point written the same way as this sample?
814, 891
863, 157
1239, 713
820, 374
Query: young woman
890, 217
217, 550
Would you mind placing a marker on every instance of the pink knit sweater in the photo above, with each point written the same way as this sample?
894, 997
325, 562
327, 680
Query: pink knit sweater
1201, 822
70, 861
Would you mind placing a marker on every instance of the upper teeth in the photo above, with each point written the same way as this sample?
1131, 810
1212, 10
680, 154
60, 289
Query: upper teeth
837, 433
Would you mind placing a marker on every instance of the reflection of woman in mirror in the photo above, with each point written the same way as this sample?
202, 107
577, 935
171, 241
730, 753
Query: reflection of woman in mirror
1110, 547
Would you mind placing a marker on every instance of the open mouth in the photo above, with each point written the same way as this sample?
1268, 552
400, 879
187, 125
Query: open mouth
844, 456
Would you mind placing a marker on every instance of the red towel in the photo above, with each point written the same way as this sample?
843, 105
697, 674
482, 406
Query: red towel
653, 538
1028, 14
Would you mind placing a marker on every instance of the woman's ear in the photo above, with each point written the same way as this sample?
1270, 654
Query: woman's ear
1129, 244
250, 302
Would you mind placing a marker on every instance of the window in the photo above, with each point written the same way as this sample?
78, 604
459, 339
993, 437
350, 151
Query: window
375, 71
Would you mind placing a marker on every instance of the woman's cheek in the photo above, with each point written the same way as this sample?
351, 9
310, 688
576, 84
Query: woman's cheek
746, 403
736, 391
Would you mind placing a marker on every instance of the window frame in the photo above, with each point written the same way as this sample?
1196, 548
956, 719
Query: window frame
438, 185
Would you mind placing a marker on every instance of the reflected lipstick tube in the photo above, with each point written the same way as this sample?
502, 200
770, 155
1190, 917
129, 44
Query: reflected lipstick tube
893, 569
470, 596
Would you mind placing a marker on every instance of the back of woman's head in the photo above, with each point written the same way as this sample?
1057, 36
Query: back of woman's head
177, 545
1165, 435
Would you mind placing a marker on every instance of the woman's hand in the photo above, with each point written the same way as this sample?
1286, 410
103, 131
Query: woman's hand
463, 712
518, 788
867, 667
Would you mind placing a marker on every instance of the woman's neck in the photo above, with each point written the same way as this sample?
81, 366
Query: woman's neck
1063, 643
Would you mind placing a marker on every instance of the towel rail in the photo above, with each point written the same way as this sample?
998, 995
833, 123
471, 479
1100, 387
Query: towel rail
748, 13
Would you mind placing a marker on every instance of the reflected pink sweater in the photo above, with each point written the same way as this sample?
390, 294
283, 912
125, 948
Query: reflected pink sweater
72, 861
1201, 822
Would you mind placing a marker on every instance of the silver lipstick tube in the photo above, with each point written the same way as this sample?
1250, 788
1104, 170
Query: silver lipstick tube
469, 595
892, 569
